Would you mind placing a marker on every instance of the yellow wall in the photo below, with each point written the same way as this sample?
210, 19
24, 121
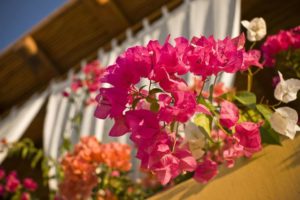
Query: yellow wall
272, 174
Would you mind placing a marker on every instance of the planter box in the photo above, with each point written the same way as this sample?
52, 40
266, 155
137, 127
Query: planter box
273, 174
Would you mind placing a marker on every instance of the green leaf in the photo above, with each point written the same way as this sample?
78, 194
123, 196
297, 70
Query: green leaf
246, 98
211, 93
36, 158
204, 121
151, 100
66, 144
250, 114
264, 110
135, 102
227, 96
140, 89
269, 136
154, 107
207, 104
155, 90
24, 152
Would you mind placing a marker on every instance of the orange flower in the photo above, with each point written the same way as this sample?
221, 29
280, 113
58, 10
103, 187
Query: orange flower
80, 166
116, 156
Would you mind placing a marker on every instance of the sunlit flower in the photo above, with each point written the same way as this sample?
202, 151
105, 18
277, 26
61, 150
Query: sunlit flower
286, 90
284, 120
256, 29
205, 171
229, 114
282, 41
249, 137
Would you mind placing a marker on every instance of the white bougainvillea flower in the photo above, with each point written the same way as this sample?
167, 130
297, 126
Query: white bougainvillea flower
195, 139
286, 90
284, 121
256, 29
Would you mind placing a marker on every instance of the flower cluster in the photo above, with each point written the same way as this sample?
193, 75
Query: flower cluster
11, 187
154, 113
284, 120
88, 80
283, 41
80, 166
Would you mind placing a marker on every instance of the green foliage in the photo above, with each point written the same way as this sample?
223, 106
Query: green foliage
246, 98
154, 107
203, 121
264, 110
26, 149
268, 135
154, 91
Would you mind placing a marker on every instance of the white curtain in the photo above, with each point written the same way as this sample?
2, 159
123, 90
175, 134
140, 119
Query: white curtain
17, 122
220, 18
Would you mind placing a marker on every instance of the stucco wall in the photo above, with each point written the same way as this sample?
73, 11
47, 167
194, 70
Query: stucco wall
274, 174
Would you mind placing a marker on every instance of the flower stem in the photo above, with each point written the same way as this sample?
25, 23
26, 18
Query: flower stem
150, 83
252, 45
211, 92
250, 80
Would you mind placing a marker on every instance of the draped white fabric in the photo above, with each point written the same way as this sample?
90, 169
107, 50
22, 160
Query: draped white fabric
220, 18
17, 122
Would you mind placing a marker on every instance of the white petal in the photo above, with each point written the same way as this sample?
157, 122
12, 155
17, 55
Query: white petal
293, 84
251, 36
192, 132
286, 91
278, 123
245, 23
288, 113
256, 29
280, 91
280, 76
284, 121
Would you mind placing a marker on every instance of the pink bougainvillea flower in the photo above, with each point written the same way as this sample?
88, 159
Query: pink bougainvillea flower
249, 137
2, 173
120, 77
29, 184
207, 56
167, 168
25, 196
133, 64
282, 41
12, 182
119, 128
205, 171
232, 150
111, 102
2, 190
170, 57
251, 58
152, 113
186, 161
76, 84
184, 107
168, 82
93, 69
229, 114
